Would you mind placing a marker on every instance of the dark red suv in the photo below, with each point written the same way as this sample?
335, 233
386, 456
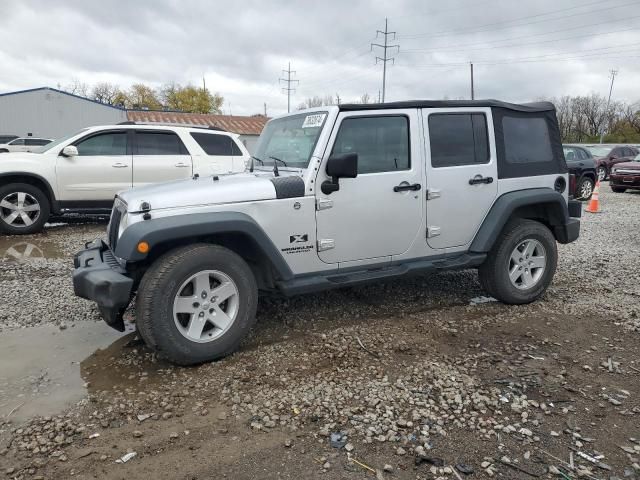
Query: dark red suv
625, 176
606, 156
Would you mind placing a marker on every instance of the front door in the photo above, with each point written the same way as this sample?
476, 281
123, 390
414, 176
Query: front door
462, 175
379, 213
101, 169
159, 156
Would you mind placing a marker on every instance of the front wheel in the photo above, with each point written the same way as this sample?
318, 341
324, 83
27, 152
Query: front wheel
24, 209
585, 188
602, 173
195, 304
521, 265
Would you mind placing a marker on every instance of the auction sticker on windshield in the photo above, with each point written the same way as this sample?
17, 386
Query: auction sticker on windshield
314, 120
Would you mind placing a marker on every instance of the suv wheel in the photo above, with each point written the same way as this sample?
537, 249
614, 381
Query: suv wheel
602, 173
618, 189
24, 209
522, 263
585, 188
196, 303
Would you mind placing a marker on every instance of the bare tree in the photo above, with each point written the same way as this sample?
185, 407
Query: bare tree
76, 87
106, 92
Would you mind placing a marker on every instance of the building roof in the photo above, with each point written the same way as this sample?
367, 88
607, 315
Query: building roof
29, 90
525, 107
232, 123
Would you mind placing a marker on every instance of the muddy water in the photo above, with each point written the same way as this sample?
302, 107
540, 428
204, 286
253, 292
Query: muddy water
18, 249
40, 366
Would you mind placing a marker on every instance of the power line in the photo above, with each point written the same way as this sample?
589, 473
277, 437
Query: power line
384, 59
493, 26
288, 88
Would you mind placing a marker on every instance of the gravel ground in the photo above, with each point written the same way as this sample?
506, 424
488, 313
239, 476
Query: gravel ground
419, 378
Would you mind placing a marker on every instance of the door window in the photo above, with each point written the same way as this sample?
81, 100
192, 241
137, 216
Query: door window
458, 139
159, 143
109, 144
382, 143
17, 141
218, 145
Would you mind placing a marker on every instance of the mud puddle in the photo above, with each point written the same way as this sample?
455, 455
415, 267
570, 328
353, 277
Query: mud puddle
40, 367
18, 249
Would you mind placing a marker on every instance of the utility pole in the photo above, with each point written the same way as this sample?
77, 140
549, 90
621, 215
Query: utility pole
265, 109
288, 88
337, 98
473, 93
384, 59
613, 77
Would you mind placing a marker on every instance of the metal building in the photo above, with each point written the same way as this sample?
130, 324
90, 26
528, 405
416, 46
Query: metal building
51, 113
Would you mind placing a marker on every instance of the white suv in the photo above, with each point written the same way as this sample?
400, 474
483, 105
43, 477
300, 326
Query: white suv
83, 172
24, 144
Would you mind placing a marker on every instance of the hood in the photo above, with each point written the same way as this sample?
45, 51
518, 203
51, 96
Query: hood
627, 166
216, 189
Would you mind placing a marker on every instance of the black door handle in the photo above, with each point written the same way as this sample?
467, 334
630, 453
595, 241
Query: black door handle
480, 179
404, 188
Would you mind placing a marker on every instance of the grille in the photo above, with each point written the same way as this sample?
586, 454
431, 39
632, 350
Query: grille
114, 225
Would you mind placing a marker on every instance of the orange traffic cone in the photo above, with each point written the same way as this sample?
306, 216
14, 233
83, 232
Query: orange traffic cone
594, 203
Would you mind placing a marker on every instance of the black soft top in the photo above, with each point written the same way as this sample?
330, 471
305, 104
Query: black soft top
524, 107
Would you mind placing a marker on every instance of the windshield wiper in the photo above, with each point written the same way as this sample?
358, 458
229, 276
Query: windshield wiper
275, 165
252, 162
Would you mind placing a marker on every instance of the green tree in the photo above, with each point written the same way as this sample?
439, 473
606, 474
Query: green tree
141, 96
191, 99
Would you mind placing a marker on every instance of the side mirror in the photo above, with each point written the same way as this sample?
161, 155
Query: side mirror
342, 165
69, 151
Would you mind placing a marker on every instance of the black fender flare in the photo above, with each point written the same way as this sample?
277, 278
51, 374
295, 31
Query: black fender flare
183, 227
49, 192
545, 202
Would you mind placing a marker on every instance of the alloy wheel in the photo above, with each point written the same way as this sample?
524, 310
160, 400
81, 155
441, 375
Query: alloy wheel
602, 173
586, 189
19, 209
206, 306
527, 264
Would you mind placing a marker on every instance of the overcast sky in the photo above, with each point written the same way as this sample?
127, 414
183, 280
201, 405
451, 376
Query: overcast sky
521, 50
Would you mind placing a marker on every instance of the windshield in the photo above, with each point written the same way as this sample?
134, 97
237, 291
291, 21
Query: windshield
637, 158
290, 139
55, 143
600, 151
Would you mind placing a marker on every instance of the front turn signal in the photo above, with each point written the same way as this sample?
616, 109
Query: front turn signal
143, 247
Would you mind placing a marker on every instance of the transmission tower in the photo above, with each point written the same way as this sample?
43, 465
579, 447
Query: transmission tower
288, 81
385, 58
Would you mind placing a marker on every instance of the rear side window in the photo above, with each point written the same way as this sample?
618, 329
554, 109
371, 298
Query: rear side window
458, 139
526, 140
37, 141
159, 143
382, 143
17, 141
217, 145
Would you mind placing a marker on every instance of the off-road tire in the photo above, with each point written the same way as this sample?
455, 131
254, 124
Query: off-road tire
618, 189
41, 198
494, 272
159, 286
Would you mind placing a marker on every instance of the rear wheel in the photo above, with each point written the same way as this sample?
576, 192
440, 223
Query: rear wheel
24, 209
196, 303
585, 188
618, 189
522, 263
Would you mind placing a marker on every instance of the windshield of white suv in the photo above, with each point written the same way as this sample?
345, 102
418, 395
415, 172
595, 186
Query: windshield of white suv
55, 143
290, 141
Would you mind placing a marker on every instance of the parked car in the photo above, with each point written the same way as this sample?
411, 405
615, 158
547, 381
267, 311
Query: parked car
581, 164
7, 138
626, 176
25, 144
83, 172
607, 156
338, 196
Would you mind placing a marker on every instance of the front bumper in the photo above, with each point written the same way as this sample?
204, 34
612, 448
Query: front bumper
99, 277
625, 181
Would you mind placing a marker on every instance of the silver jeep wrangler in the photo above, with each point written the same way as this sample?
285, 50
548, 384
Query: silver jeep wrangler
338, 196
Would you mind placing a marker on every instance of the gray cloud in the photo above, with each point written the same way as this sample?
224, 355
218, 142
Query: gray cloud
521, 50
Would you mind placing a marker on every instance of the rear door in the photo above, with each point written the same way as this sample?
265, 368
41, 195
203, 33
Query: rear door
461, 173
18, 145
159, 156
101, 169
222, 154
